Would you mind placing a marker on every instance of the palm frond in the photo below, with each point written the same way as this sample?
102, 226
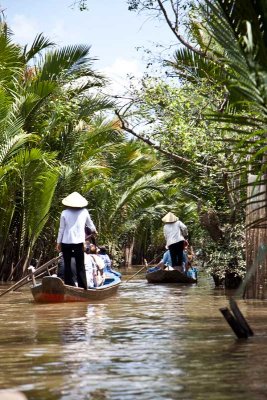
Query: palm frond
92, 104
192, 67
64, 61
39, 44
10, 60
140, 190
13, 139
246, 71
38, 201
237, 13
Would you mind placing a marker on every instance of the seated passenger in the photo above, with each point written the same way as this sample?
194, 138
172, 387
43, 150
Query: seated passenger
90, 269
95, 266
105, 257
107, 261
165, 263
191, 271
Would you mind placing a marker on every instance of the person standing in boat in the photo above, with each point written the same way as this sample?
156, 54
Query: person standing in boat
71, 236
60, 269
174, 232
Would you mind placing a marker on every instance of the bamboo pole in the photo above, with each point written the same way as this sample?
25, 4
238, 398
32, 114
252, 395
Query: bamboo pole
25, 280
141, 269
145, 266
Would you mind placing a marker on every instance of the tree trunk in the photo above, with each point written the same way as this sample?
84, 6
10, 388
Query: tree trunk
128, 252
256, 241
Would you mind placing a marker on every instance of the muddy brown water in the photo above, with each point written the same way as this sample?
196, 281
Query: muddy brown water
150, 342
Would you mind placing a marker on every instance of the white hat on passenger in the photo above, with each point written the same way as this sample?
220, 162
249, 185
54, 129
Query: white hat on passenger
75, 200
170, 217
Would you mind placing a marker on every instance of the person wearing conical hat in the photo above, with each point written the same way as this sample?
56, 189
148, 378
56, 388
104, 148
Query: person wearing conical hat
174, 232
71, 236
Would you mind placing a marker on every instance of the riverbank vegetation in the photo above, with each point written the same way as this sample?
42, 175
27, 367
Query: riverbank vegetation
57, 138
221, 56
188, 142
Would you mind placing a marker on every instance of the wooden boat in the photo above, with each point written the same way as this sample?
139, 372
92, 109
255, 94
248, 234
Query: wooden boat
53, 290
165, 276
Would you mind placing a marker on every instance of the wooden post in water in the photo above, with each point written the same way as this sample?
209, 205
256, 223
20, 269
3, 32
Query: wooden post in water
237, 329
240, 317
236, 320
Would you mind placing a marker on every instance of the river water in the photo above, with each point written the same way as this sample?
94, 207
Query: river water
151, 342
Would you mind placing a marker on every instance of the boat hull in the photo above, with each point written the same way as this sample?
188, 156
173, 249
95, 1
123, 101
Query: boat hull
164, 276
53, 290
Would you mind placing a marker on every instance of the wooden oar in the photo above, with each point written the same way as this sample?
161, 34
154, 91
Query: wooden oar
25, 280
145, 266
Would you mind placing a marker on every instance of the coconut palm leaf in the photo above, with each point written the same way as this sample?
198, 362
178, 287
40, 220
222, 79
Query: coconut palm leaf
192, 67
237, 12
12, 138
90, 166
13, 145
37, 181
64, 61
7, 210
138, 193
91, 104
240, 53
39, 201
39, 44
10, 60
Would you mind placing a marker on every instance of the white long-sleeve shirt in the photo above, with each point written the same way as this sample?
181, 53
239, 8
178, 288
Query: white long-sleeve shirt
72, 225
173, 233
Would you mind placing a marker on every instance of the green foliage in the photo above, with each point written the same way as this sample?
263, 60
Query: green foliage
39, 44
43, 150
232, 37
199, 118
229, 256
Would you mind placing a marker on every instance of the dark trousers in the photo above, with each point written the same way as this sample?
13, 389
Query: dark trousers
176, 251
76, 251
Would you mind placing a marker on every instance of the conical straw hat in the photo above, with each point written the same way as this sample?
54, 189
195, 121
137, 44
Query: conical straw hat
170, 217
75, 200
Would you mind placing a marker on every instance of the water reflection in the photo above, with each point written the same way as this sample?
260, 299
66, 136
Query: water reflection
150, 342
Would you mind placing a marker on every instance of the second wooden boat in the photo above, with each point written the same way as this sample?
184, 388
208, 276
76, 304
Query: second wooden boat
53, 290
165, 276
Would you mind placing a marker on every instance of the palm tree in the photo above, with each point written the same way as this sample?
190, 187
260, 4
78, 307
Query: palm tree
33, 153
17, 154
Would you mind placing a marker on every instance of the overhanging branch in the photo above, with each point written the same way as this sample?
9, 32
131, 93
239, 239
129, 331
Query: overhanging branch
174, 29
175, 157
